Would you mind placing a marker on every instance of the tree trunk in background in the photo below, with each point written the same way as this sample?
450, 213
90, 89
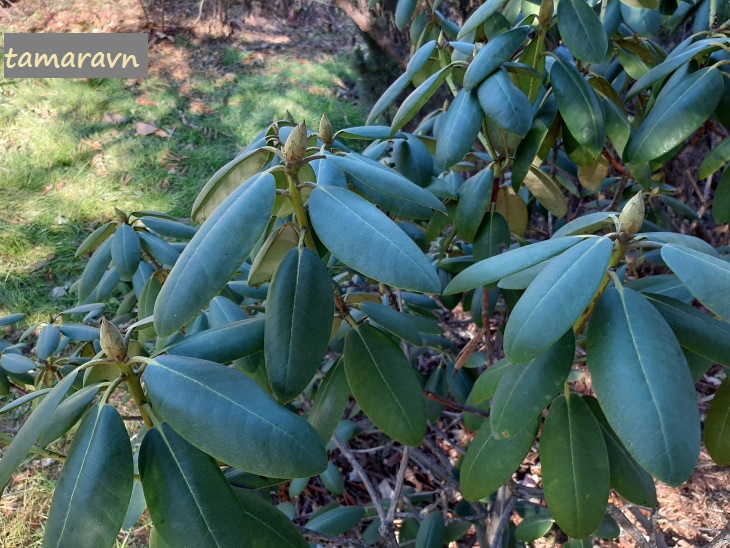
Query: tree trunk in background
215, 17
378, 25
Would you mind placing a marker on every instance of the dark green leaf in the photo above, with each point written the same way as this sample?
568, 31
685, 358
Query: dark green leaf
534, 527
419, 59
298, 322
678, 57
365, 239
665, 285
638, 370
22, 400
526, 389
717, 426
530, 146
715, 160
79, 332
16, 363
162, 251
482, 392
479, 16
404, 12
272, 527
385, 385
224, 343
398, 323
695, 330
95, 486
414, 161
190, 501
458, 129
171, 229
608, 529
495, 268
560, 293
475, 196
392, 93
332, 479
368, 133
629, 479
678, 112
432, 531
579, 106
581, 31
586, 224
706, 277
490, 462
126, 251
336, 521
388, 188
214, 254
504, 104
493, 54
67, 414
223, 311
415, 101
575, 472
330, 402
492, 236
95, 269
32, 428
96, 238
204, 401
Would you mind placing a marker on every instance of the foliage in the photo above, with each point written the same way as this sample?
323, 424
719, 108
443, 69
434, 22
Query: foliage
305, 279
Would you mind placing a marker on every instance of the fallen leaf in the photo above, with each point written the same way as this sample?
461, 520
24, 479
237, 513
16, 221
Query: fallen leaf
96, 145
162, 133
145, 129
199, 107
145, 101
47, 189
114, 118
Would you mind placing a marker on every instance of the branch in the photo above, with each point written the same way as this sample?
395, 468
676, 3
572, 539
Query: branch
455, 405
363, 476
386, 527
503, 519
7, 439
627, 526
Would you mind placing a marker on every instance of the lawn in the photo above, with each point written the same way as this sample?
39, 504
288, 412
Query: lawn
73, 150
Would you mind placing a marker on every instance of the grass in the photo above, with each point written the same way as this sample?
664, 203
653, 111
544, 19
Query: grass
66, 164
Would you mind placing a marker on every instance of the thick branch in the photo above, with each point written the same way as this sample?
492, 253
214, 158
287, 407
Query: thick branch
627, 526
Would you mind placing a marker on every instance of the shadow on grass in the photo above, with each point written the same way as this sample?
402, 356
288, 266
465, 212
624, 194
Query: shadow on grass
73, 154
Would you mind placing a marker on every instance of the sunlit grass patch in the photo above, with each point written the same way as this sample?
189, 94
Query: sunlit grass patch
72, 153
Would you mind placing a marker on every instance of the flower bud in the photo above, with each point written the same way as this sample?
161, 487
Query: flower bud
325, 130
296, 145
112, 342
632, 215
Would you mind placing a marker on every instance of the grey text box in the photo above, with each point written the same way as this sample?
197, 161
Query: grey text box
79, 55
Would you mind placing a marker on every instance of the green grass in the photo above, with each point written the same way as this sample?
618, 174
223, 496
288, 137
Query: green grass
56, 183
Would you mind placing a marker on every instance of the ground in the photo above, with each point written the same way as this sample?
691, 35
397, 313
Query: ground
75, 149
